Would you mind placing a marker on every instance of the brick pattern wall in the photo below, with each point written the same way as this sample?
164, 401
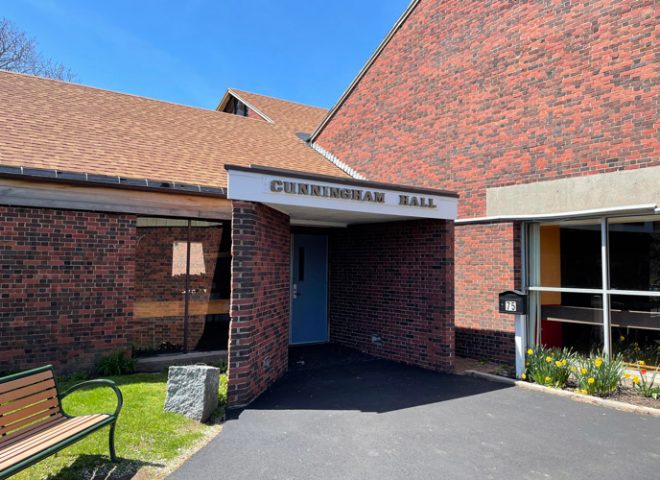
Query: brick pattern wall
155, 284
487, 263
476, 94
259, 309
394, 280
66, 286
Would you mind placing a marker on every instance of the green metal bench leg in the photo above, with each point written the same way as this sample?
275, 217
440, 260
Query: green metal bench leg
113, 454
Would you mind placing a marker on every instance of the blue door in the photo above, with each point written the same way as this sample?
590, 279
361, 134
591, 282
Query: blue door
309, 289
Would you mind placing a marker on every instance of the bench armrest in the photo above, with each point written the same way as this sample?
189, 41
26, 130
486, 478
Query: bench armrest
102, 383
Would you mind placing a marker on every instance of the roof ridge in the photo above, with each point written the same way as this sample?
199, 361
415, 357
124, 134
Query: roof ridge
106, 90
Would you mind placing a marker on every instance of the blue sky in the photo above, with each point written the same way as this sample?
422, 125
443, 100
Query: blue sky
189, 52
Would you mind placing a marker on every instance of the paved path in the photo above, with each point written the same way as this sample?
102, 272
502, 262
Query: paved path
378, 420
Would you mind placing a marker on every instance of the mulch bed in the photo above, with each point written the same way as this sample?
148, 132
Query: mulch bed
631, 396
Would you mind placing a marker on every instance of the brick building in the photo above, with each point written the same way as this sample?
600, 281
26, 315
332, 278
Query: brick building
137, 225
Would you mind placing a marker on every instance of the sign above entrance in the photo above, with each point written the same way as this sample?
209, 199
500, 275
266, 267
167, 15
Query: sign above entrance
283, 187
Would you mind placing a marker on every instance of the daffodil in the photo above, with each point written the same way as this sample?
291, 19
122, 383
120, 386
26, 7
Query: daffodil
642, 363
598, 362
583, 370
558, 363
622, 338
523, 376
591, 380
635, 379
530, 351
548, 359
626, 375
547, 379
563, 362
583, 391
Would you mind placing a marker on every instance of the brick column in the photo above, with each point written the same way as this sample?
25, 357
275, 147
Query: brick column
259, 308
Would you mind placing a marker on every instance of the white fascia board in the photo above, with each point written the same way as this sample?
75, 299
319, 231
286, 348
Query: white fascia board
258, 187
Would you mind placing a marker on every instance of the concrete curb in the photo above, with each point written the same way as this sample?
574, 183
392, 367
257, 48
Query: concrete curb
602, 402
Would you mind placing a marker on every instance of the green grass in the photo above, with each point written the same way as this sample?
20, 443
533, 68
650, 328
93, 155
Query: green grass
145, 435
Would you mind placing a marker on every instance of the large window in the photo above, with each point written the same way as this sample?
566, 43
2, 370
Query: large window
595, 285
182, 285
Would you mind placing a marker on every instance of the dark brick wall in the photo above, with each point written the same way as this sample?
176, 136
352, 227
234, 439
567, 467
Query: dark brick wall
259, 309
66, 286
476, 94
394, 280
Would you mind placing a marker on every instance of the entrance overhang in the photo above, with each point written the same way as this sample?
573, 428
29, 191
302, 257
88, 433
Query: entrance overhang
322, 200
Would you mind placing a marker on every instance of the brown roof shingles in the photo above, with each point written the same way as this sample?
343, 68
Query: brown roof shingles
295, 117
64, 126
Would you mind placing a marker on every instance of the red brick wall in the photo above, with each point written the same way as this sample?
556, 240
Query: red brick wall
470, 95
475, 94
259, 309
66, 286
394, 280
487, 262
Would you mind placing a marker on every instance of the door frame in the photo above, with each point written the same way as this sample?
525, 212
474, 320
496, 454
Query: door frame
327, 287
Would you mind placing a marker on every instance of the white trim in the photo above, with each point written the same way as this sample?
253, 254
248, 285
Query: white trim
404, 16
231, 92
566, 290
644, 208
609, 291
605, 268
316, 223
256, 186
338, 163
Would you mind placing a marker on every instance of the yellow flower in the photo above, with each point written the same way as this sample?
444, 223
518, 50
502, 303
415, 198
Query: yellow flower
622, 338
530, 351
523, 376
591, 380
563, 362
583, 391
642, 362
598, 362
558, 363
626, 375
583, 370
547, 379
635, 379
548, 359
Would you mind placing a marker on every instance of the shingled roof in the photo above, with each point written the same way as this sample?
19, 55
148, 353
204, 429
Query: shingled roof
64, 126
295, 117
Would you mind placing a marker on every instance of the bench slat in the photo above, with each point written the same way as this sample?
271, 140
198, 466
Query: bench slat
25, 391
26, 401
25, 381
29, 414
42, 436
66, 430
32, 429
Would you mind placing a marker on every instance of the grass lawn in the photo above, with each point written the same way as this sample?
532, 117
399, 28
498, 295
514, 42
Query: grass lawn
147, 440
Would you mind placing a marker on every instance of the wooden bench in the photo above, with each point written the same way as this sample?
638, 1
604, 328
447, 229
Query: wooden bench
33, 424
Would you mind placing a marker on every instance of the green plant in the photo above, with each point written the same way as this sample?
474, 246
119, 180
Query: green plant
644, 384
598, 375
116, 363
548, 366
